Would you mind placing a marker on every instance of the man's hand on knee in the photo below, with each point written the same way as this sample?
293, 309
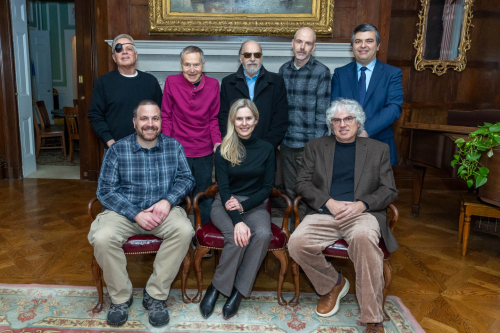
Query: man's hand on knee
161, 209
147, 220
350, 209
335, 207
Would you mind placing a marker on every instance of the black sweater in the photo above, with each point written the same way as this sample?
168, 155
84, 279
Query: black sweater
254, 177
113, 101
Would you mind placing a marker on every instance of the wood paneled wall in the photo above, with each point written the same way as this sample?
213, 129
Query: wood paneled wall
477, 87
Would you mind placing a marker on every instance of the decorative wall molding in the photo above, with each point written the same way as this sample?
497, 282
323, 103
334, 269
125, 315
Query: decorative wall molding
221, 57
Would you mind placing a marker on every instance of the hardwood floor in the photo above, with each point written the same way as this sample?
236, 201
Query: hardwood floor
43, 239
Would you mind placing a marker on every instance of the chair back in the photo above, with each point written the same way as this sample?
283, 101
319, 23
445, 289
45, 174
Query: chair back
43, 115
214, 189
71, 116
36, 125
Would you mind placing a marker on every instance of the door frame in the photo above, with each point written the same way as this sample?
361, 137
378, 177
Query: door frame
91, 26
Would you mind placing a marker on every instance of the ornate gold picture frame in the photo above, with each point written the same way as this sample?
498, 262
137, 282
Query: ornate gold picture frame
240, 17
441, 65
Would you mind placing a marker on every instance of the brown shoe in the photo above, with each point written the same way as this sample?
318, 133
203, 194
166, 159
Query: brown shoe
371, 328
328, 304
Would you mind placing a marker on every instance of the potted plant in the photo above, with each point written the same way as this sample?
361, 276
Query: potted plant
479, 159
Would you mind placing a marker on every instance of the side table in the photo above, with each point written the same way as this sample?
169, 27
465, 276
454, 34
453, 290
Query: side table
472, 206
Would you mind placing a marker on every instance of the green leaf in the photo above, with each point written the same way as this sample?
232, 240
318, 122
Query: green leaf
495, 128
484, 171
461, 140
453, 163
460, 169
488, 124
480, 180
490, 153
480, 131
497, 139
473, 156
463, 174
470, 182
457, 157
481, 146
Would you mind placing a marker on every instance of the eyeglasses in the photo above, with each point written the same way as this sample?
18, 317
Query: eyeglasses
248, 55
119, 47
348, 120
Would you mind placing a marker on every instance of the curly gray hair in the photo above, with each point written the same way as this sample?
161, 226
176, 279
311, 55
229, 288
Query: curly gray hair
345, 105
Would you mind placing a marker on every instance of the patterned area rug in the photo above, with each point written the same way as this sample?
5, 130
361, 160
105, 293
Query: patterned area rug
56, 157
66, 309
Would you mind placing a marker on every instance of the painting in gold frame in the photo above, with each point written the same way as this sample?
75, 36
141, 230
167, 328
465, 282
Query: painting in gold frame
240, 17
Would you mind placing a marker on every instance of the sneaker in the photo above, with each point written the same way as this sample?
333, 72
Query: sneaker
328, 304
118, 313
158, 313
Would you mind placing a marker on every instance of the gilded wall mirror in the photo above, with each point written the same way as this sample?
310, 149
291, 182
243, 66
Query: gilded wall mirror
443, 36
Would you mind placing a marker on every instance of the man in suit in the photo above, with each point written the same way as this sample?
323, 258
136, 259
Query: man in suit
347, 183
375, 85
266, 89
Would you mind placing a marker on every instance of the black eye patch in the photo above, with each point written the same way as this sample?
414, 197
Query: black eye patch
119, 47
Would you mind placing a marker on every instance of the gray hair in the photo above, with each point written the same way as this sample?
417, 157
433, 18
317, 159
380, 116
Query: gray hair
122, 36
345, 105
314, 33
193, 49
241, 47
363, 28
145, 102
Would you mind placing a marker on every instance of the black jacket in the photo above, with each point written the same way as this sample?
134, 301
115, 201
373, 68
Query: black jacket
270, 98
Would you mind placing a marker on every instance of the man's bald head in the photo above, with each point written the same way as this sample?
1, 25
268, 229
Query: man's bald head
303, 44
306, 31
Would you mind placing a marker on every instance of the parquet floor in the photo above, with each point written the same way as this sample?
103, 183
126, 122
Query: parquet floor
43, 229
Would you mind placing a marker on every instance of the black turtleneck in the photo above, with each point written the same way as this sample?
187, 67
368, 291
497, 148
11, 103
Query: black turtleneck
342, 188
253, 177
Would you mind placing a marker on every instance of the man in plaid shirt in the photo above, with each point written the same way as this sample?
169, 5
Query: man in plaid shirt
143, 178
308, 84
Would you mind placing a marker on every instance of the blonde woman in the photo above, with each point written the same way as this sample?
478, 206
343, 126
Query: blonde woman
244, 165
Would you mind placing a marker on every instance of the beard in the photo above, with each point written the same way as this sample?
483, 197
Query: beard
301, 56
252, 70
148, 136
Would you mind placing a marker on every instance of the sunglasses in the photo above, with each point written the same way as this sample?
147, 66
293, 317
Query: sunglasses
248, 55
119, 47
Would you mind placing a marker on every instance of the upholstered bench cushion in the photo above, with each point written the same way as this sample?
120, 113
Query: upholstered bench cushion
339, 249
142, 244
209, 236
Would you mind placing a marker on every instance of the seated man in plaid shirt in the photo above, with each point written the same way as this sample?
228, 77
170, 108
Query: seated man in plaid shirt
144, 177
307, 83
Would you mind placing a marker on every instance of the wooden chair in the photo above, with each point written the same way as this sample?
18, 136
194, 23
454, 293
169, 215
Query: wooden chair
44, 117
138, 244
71, 117
41, 136
209, 237
75, 103
339, 250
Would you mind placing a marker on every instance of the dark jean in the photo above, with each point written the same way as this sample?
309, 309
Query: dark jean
202, 168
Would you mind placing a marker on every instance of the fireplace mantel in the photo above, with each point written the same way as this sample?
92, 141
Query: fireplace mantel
221, 57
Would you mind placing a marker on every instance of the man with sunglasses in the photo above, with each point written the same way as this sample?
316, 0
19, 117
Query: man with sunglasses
347, 182
116, 93
307, 83
266, 89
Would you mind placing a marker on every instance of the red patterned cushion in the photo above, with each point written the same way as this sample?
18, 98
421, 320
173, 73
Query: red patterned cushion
142, 244
339, 249
209, 236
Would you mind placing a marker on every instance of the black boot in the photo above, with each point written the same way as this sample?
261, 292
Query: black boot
230, 309
207, 304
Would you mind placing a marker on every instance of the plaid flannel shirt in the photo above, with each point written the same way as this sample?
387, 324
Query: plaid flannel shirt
133, 178
308, 91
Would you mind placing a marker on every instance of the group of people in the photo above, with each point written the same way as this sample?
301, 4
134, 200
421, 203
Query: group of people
162, 147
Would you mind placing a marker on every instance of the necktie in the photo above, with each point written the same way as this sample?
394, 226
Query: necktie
362, 86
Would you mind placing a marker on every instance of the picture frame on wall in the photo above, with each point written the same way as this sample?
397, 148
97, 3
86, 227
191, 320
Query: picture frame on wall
240, 17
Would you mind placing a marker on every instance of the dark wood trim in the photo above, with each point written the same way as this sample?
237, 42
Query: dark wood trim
384, 28
404, 13
492, 65
10, 139
485, 14
400, 63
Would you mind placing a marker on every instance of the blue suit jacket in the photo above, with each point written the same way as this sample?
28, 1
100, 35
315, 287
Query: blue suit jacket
383, 99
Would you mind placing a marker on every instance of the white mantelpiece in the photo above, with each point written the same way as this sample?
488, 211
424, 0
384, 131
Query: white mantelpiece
222, 57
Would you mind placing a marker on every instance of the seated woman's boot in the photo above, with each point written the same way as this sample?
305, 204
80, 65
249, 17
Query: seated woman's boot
207, 304
230, 309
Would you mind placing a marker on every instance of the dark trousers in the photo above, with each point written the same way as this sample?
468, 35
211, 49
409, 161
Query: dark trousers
202, 168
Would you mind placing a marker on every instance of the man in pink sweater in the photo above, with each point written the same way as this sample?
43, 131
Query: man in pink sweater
189, 110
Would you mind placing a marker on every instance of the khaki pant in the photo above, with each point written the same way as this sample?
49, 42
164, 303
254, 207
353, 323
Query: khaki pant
362, 233
110, 231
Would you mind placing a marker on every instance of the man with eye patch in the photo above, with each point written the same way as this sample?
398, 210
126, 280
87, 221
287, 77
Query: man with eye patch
116, 93
266, 89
